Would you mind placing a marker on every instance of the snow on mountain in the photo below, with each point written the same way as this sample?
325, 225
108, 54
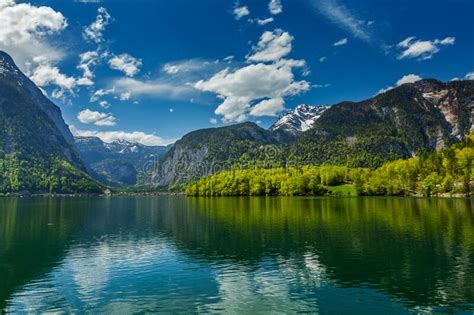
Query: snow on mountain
300, 119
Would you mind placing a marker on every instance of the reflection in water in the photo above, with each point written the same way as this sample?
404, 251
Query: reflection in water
237, 254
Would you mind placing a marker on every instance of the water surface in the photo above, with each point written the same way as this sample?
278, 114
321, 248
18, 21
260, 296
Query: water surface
245, 255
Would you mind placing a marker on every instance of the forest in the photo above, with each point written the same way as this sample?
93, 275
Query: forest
448, 171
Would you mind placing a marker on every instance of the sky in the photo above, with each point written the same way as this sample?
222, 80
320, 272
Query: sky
151, 71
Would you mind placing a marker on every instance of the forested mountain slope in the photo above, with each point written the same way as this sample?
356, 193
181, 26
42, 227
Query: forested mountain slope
403, 122
37, 151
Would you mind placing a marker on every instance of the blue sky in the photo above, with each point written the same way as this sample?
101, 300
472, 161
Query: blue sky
151, 71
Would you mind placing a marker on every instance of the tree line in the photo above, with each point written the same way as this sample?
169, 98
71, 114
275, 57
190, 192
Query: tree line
448, 171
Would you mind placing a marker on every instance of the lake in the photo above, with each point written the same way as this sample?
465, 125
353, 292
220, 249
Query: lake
238, 255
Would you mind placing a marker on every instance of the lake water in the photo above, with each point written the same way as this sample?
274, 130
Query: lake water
238, 255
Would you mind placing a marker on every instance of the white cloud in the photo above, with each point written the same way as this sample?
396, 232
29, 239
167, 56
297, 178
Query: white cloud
469, 76
95, 31
422, 49
254, 82
213, 121
228, 59
270, 107
340, 15
408, 78
275, 7
126, 63
240, 12
88, 116
46, 74
191, 65
170, 69
125, 96
272, 46
265, 21
25, 32
101, 92
323, 59
87, 61
104, 104
156, 88
134, 136
258, 89
342, 41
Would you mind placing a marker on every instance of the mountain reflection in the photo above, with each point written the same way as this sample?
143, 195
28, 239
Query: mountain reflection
236, 254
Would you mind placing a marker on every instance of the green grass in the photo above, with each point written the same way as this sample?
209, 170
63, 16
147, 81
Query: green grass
343, 190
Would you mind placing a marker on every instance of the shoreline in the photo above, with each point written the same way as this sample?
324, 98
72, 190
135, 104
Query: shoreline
138, 194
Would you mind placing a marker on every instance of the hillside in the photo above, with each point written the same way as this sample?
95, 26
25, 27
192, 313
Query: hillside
207, 151
447, 172
37, 151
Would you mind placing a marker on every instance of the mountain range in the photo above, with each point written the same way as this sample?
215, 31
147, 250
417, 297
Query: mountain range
38, 152
117, 163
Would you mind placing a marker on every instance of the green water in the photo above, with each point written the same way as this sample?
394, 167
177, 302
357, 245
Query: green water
238, 255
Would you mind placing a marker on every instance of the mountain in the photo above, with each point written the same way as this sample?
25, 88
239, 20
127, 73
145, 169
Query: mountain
118, 163
403, 122
207, 151
406, 121
37, 151
299, 120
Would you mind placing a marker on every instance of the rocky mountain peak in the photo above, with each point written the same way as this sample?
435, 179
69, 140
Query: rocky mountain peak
300, 119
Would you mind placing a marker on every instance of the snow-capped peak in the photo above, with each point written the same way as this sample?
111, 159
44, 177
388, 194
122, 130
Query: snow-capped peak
300, 119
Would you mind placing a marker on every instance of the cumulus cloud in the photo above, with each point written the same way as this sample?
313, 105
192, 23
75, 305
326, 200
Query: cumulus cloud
422, 49
95, 31
342, 41
88, 116
275, 7
126, 63
258, 89
254, 82
469, 76
134, 136
46, 74
25, 32
272, 46
343, 17
213, 121
323, 59
240, 12
268, 107
408, 78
